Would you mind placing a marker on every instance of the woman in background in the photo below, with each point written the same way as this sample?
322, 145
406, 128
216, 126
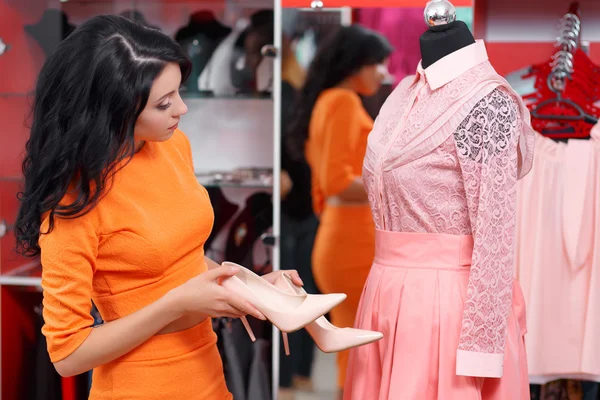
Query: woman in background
330, 126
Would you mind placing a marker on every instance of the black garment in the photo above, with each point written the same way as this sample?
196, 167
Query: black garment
247, 228
223, 210
47, 383
50, 30
199, 39
297, 240
137, 17
298, 203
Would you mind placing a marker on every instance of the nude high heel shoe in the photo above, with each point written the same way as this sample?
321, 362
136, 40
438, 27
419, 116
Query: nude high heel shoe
328, 338
287, 311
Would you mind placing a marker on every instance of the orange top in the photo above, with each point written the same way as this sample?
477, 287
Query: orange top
338, 131
144, 238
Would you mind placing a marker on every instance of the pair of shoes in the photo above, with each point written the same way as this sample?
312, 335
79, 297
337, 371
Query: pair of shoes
328, 337
289, 312
290, 308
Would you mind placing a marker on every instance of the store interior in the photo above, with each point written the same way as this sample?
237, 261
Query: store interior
549, 52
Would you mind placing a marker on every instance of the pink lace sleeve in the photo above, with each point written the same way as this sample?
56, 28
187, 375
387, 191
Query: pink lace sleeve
487, 142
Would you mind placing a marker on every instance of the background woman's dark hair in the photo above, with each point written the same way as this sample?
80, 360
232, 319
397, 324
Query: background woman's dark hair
89, 95
338, 57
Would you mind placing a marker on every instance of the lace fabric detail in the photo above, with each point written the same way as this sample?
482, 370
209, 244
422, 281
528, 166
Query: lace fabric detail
422, 115
389, 137
432, 203
486, 144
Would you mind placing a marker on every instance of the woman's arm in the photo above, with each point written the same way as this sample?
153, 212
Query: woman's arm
341, 134
113, 339
355, 192
199, 295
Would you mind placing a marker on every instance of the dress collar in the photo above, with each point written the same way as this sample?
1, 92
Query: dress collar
453, 65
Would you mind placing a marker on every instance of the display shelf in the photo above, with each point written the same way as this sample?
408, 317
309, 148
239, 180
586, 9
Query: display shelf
29, 274
20, 281
370, 3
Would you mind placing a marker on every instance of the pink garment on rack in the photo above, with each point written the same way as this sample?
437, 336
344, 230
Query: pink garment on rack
444, 157
402, 27
558, 258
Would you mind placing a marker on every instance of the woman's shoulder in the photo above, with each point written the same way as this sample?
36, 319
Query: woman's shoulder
338, 96
337, 100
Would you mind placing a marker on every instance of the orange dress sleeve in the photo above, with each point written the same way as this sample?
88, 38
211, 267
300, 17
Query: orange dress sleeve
68, 259
341, 133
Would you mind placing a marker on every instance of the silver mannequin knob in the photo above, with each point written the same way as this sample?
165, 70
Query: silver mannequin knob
439, 12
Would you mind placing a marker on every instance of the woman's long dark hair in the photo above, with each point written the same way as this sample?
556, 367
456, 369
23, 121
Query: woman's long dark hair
338, 57
88, 97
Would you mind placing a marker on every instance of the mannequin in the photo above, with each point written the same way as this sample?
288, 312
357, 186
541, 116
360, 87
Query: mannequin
465, 316
50, 30
199, 39
445, 35
136, 16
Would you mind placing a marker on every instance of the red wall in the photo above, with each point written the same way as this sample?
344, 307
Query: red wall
19, 67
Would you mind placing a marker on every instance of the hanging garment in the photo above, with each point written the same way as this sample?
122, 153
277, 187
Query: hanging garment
50, 30
216, 75
47, 382
199, 39
246, 364
224, 210
254, 220
558, 259
441, 169
407, 53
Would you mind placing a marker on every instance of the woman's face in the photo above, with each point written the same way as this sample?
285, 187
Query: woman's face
160, 118
367, 80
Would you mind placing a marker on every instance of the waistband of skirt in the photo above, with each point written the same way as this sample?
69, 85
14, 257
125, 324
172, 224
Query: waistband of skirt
423, 250
173, 344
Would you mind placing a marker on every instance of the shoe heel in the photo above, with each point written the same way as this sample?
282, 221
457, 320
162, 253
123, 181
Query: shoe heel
248, 329
286, 343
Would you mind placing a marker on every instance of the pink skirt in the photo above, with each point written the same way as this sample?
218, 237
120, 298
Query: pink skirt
414, 295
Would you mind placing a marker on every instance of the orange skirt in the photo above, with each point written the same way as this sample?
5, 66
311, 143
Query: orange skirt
342, 256
178, 365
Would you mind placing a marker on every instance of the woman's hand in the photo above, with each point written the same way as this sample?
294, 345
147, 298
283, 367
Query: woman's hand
271, 277
204, 295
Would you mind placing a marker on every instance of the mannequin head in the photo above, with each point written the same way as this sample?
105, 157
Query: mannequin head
354, 58
110, 85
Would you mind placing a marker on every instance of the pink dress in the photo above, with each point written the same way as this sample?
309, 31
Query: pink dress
558, 259
441, 170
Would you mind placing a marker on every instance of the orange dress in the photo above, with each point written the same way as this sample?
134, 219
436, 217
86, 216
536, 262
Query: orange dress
144, 238
345, 243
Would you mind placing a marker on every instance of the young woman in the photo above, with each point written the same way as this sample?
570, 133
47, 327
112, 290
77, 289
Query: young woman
331, 127
112, 204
